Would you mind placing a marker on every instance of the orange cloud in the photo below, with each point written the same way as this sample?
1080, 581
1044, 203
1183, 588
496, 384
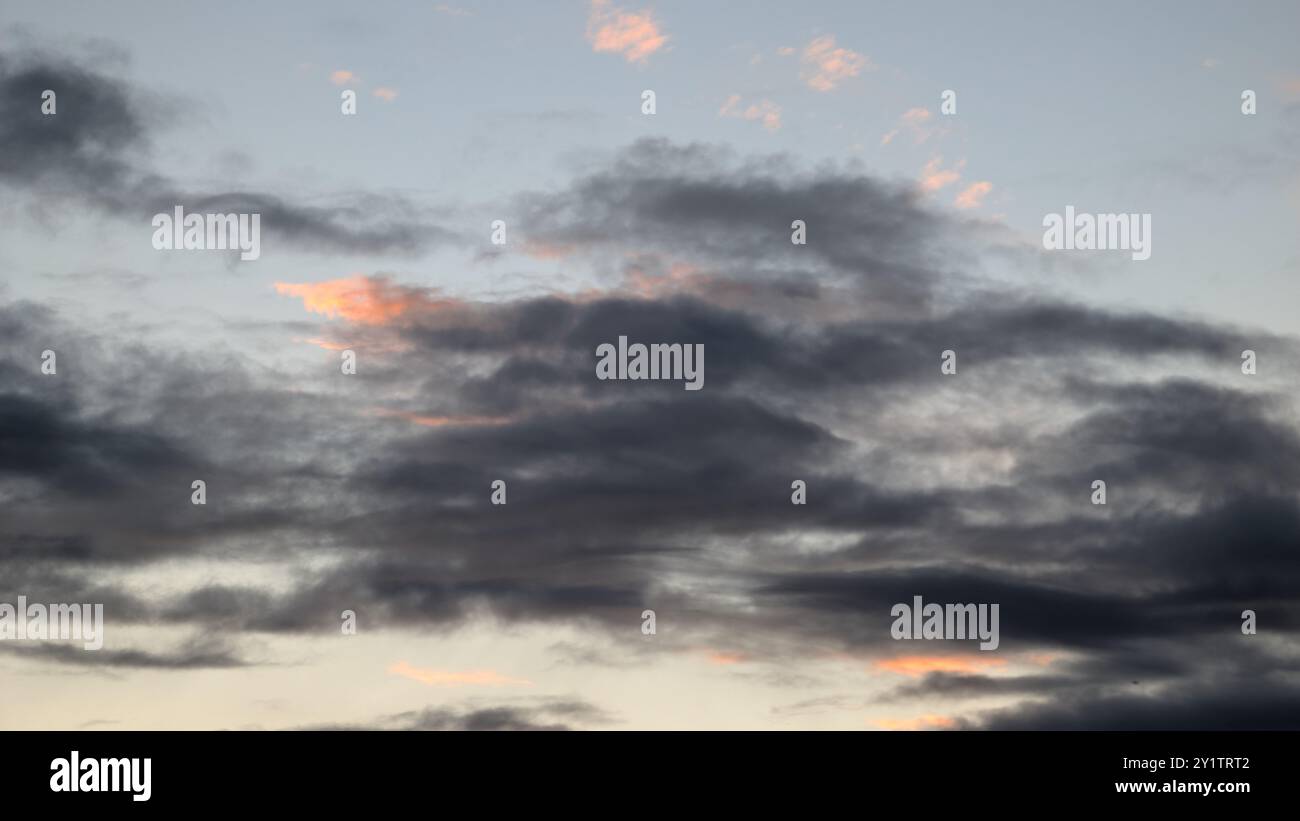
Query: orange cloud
934, 177
342, 77
368, 300
451, 678
635, 36
385, 94
765, 110
920, 665
929, 721
440, 421
720, 657
326, 344
828, 66
973, 197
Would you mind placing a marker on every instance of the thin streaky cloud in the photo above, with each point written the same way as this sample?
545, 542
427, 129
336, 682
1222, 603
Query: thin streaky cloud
455, 678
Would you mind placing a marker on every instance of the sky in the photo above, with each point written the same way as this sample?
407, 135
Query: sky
476, 362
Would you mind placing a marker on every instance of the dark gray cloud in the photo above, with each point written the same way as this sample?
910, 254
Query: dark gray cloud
96, 149
93, 148
701, 202
540, 714
200, 655
1222, 705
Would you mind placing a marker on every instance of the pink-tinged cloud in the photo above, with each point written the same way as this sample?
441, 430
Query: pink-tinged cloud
828, 66
635, 35
680, 277
920, 665
343, 77
386, 94
453, 678
441, 421
916, 116
766, 111
915, 121
326, 344
786, 51
929, 721
368, 300
725, 659
934, 176
973, 196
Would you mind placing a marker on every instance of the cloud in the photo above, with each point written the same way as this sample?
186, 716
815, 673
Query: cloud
929, 721
202, 655
386, 94
822, 365
1236, 705
699, 200
827, 65
919, 665
764, 111
973, 195
915, 121
545, 714
343, 77
934, 176
368, 300
635, 35
452, 678
441, 421
722, 658
96, 148
99, 158
955, 687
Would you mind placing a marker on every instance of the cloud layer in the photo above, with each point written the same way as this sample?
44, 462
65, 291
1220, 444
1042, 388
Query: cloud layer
823, 365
